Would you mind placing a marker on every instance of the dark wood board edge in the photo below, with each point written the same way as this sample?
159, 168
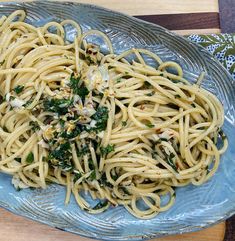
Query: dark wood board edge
185, 20
230, 229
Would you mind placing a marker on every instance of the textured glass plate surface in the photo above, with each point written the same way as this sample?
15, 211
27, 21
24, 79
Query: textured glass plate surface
195, 207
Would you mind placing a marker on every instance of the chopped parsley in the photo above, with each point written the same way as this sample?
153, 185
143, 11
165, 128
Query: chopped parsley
85, 150
125, 190
30, 158
29, 102
35, 126
18, 89
74, 82
77, 176
1, 63
92, 176
62, 152
170, 161
104, 182
59, 106
101, 117
81, 90
91, 164
106, 150
149, 125
65, 165
61, 157
76, 131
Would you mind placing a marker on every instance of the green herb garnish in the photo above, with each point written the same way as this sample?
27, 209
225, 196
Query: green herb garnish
18, 89
91, 164
92, 176
76, 131
85, 150
101, 117
61, 153
77, 176
104, 182
59, 106
30, 158
65, 165
81, 90
29, 102
35, 125
106, 150
171, 162
149, 125
125, 190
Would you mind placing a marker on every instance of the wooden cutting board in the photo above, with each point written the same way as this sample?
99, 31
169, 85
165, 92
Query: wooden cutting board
181, 16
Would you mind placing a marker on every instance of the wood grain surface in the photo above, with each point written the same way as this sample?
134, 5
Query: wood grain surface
15, 228
149, 7
183, 17
184, 21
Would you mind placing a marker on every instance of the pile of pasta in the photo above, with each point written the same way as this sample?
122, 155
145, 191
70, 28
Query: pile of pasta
120, 130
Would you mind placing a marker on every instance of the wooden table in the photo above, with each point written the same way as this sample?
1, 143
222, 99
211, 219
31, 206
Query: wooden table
183, 17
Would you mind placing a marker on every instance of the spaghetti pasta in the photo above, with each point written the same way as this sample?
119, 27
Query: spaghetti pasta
121, 130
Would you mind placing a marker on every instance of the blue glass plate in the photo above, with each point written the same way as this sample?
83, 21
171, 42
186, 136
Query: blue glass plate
195, 207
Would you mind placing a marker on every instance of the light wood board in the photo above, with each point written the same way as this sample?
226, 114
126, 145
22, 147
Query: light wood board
15, 228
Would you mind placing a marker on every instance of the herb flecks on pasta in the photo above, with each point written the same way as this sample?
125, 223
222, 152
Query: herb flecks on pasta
120, 130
